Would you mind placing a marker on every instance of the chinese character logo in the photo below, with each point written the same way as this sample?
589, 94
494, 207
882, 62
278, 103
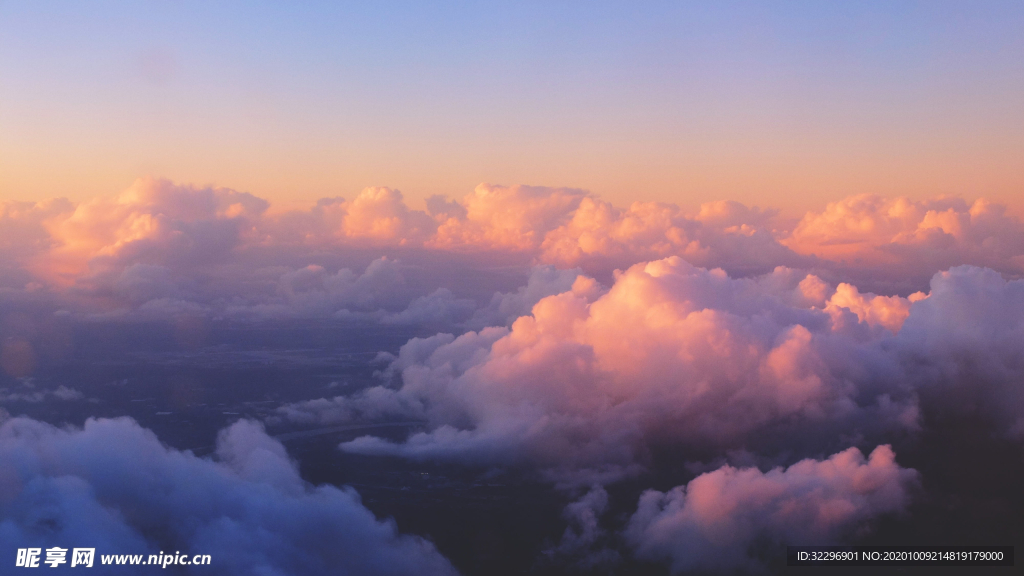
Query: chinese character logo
83, 557
56, 556
29, 557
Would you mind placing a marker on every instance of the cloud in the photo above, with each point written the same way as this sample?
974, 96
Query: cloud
439, 308
716, 520
671, 353
383, 293
113, 486
505, 307
507, 218
209, 245
377, 216
674, 355
893, 239
152, 222
29, 393
602, 340
874, 310
380, 214
723, 234
23, 236
965, 343
594, 385
869, 240
584, 543
313, 291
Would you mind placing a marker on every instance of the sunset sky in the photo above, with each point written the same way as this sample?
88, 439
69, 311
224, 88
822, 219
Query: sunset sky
788, 104
481, 288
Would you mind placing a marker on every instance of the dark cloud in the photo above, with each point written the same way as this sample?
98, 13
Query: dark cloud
113, 486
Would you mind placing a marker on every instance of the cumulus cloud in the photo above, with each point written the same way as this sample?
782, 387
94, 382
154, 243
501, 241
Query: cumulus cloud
23, 236
376, 216
113, 486
966, 345
505, 307
670, 353
600, 339
715, 520
894, 239
874, 310
153, 222
583, 387
507, 217
161, 240
381, 214
723, 234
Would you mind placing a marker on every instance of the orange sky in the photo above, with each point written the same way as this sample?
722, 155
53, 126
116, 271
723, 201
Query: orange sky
767, 106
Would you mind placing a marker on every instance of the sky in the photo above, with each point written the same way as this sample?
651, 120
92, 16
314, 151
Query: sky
567, 288
788, 104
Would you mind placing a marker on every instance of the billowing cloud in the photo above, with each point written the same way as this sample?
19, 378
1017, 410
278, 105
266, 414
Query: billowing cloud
153, 222
23, 236
197, 247
507, 218
113, 486
965, 344
723, 234
897, 239
716, 520
583, 386
670, 353
594, 381
874, 310
505, 307
573, 340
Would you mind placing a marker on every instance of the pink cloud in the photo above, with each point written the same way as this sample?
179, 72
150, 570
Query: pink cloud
201, 246
712, 522
508, 218
898, 236
153, 222
727, 234
670, 353
887, 311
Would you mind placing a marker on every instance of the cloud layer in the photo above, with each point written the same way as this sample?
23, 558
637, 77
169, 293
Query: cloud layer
670, 354
713, 521
590, 387
191, 248
113, 486
581, 343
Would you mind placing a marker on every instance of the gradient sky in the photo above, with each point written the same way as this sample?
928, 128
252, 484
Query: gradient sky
786, 104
